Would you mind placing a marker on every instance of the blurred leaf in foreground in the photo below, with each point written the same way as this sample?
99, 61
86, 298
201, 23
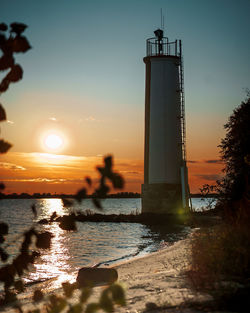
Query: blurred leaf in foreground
4, 146
44, 240
38, 295
2, 113
81, 194
67, 222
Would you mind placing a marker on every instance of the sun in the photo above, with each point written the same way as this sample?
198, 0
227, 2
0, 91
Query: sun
53, 142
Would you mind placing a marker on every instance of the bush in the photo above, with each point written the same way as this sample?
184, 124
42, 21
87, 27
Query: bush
235, 153
221, 254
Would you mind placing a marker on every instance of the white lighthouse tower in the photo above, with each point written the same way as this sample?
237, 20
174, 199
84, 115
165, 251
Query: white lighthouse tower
165, 188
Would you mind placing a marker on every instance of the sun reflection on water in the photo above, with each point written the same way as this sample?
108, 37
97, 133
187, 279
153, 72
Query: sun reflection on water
54, 263
50, 206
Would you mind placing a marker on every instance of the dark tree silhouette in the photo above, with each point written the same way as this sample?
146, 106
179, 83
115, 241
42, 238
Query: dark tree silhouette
235, 152
11, 41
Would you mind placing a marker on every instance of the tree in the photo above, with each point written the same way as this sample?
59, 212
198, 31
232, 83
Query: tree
221, 253
235, 152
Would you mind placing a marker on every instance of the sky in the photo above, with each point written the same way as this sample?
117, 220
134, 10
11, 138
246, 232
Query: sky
84, 79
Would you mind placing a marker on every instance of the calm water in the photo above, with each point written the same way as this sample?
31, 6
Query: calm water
92, 243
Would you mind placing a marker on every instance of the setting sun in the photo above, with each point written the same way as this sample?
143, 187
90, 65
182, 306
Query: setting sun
53, 141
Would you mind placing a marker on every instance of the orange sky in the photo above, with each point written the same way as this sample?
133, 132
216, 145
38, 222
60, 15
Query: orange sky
44, 172
41, 172
87, 137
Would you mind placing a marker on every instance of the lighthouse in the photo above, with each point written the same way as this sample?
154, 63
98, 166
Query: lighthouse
165, 188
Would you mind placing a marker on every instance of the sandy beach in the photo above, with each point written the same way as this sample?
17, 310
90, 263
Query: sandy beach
156, 282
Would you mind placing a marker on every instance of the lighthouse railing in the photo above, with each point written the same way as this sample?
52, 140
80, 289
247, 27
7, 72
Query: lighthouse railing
156, 47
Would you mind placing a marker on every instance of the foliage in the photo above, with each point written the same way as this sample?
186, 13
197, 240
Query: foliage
221, 265
14, 42
34, 239
235, 154
10, 42
221, 255
235, 151
206, 191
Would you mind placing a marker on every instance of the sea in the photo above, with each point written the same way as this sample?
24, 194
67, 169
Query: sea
93, 244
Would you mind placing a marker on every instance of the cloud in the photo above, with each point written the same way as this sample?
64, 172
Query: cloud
129, 172
213, 161
92, 119
210, 177
45, 180
129, 163
10, 122
54, 159
62, 173
54, 119
11, 166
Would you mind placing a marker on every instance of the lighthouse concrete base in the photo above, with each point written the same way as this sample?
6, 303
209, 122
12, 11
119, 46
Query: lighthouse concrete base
162, 199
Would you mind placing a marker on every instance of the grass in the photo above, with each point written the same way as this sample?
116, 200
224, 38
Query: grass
221, 258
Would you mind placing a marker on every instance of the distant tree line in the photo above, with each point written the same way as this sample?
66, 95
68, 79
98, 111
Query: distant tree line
48, 195
38, 195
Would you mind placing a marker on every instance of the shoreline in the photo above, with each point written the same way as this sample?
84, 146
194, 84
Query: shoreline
153, 282
158, 281
113, 263
146, 251
125, 195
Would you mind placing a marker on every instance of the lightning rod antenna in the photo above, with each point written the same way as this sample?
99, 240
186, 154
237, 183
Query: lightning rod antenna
161, 18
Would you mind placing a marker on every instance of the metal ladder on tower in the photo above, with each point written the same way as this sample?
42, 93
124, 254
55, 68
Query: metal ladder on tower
183, 121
